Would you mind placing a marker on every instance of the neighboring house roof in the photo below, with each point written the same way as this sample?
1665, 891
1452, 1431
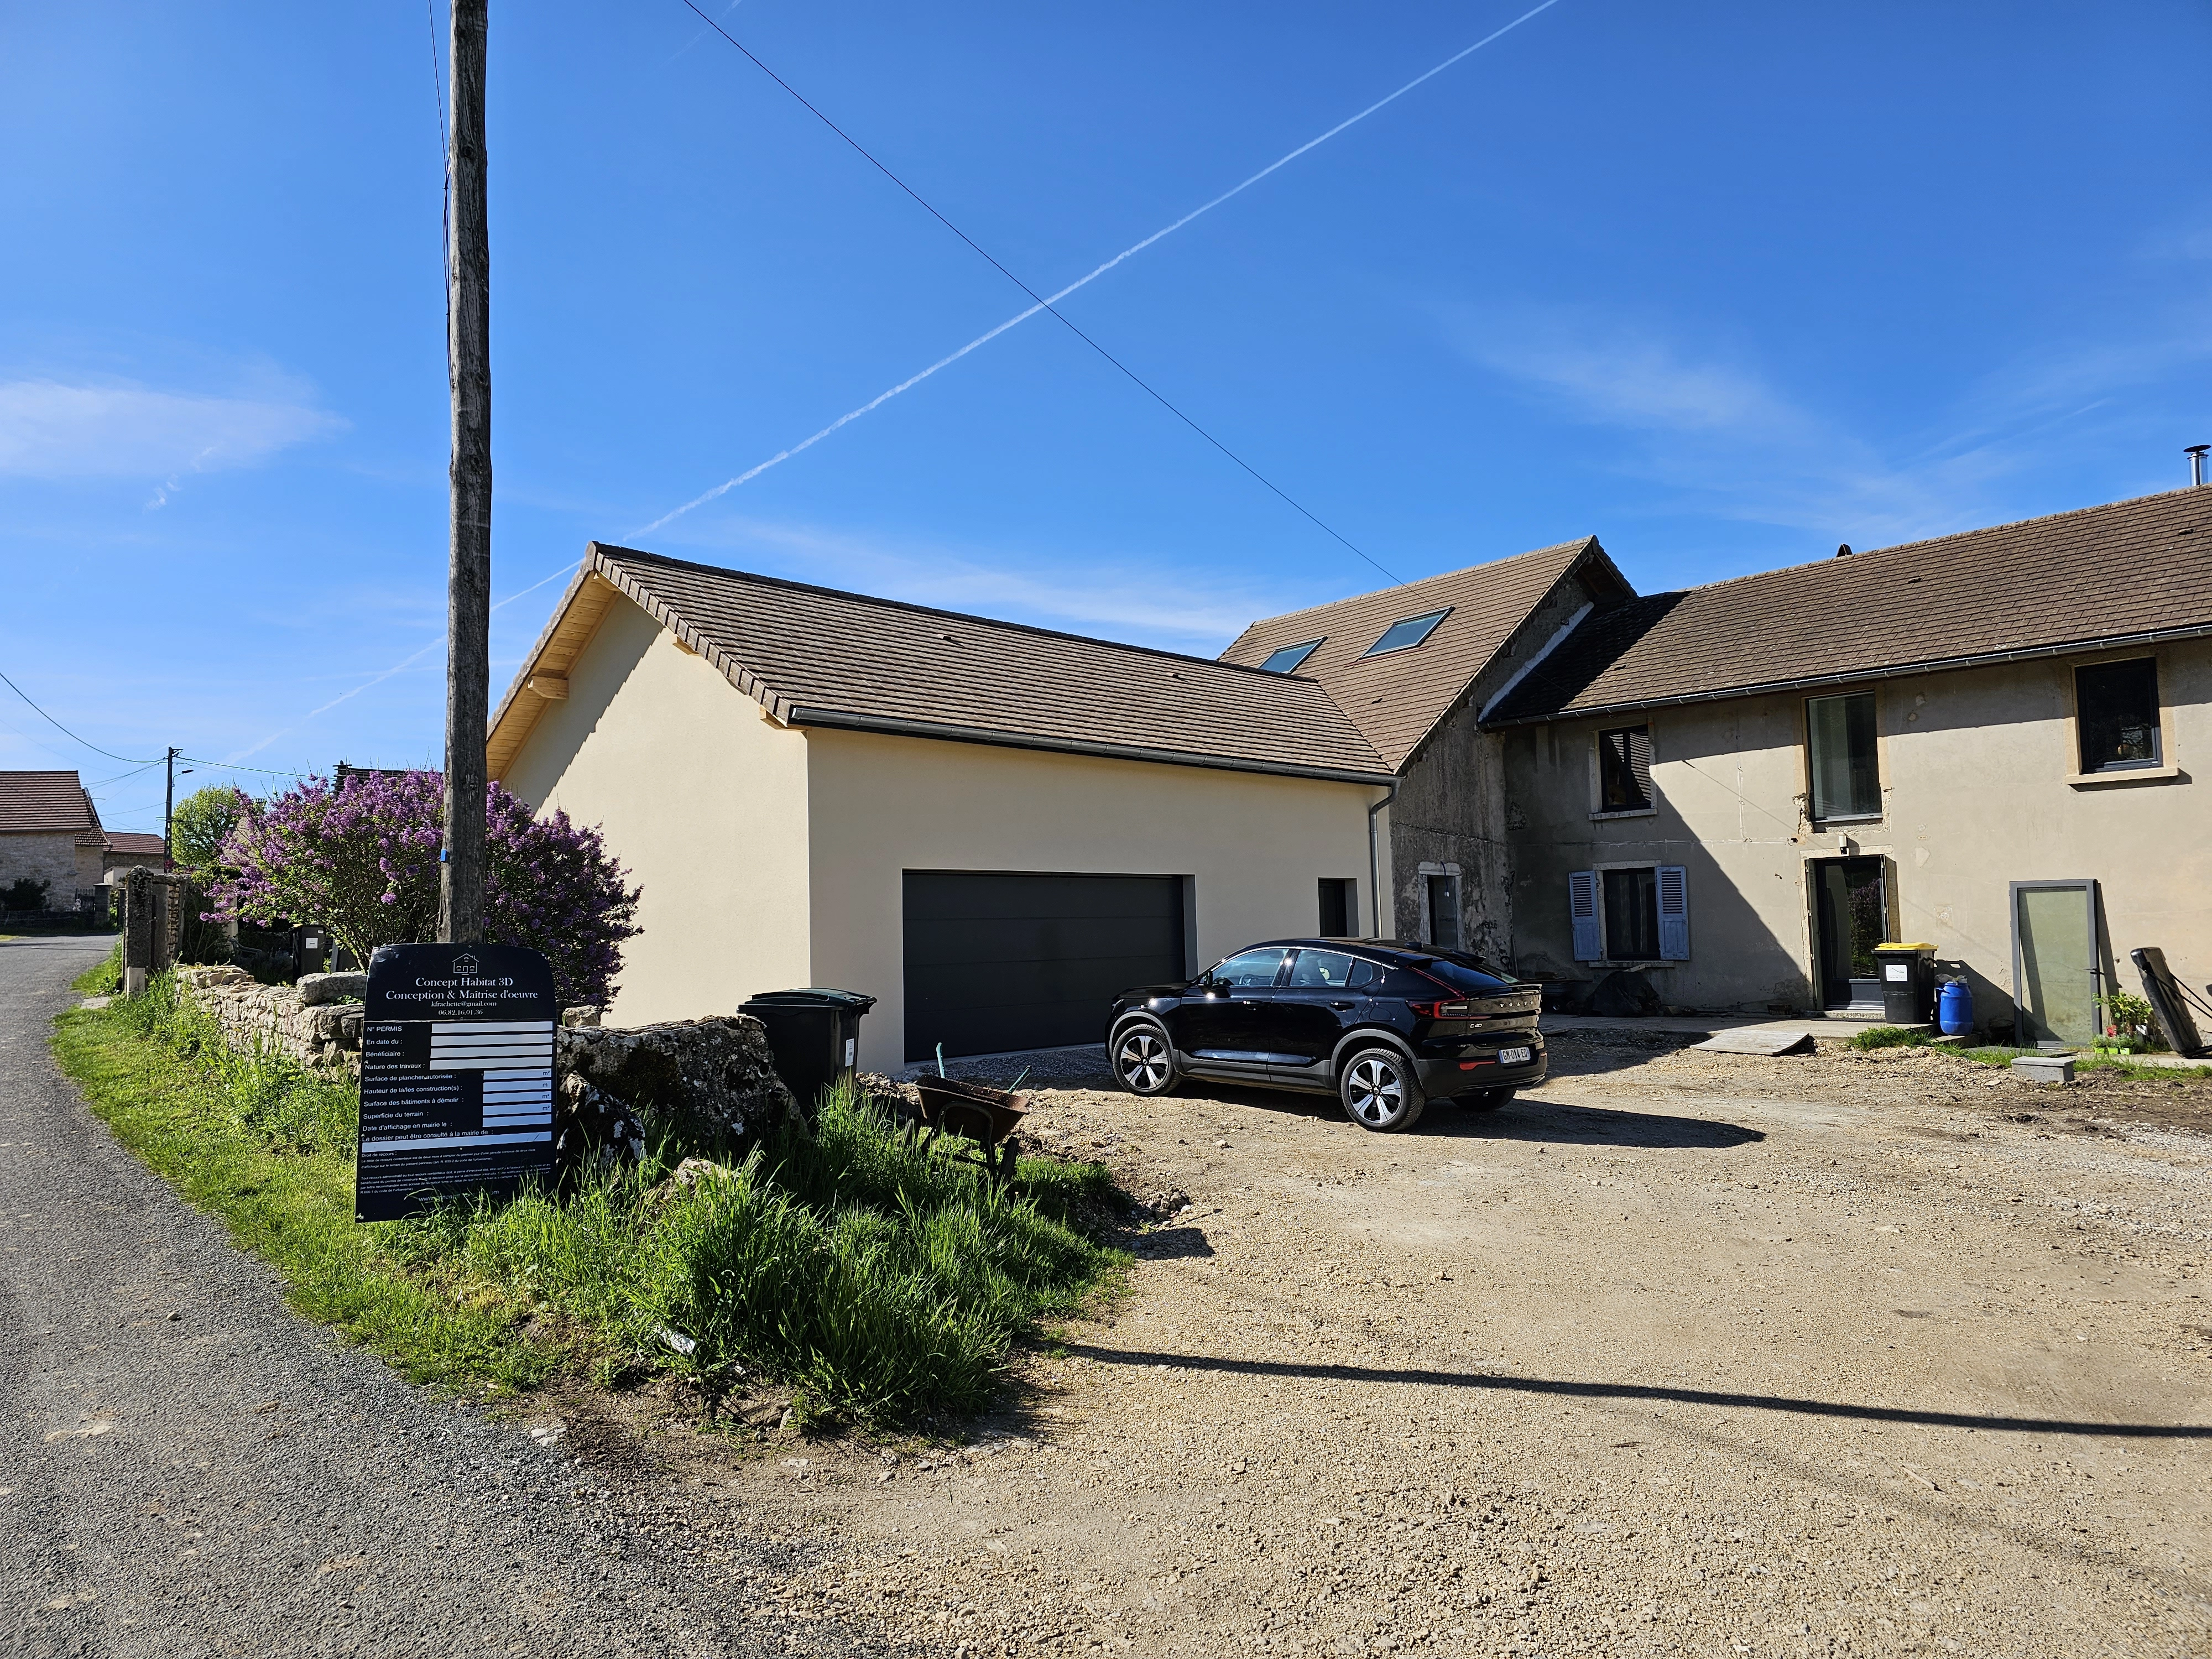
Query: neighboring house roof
2120, 574
1396, 699
815, 656
52, 801
132, 842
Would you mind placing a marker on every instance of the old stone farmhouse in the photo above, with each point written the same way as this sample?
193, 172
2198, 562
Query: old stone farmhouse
50, 832
1984, 742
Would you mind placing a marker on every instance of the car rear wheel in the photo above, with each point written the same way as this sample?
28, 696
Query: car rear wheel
1380, 1091
1485, 1100
1142, 1060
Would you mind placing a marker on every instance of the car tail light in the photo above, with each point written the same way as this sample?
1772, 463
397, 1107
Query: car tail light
1443, 1009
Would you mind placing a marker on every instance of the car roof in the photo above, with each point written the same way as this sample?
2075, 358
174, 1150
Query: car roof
1400, 953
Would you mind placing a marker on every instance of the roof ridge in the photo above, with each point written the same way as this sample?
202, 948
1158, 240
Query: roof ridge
1577, 542
1948, 536
613, 551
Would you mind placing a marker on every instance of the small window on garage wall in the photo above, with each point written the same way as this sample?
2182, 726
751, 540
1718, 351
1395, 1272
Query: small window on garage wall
2115, 712
1339, 907
1624, 769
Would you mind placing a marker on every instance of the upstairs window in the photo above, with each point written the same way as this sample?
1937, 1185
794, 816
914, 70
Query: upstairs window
1405, 636
2116, 710
1624, 769
1287, 660
1839, 737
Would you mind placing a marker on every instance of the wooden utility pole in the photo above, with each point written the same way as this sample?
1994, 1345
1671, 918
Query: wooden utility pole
468, 590
169, 814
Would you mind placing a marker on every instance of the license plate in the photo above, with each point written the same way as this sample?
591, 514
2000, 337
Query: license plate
1513, 1056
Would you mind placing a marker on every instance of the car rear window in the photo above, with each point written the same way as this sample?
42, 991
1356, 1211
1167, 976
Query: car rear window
1464, 974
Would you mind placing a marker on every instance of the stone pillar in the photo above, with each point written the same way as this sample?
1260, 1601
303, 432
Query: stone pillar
138, 889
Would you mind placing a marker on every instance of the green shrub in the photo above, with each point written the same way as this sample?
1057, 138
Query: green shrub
104, 978
1890, 1037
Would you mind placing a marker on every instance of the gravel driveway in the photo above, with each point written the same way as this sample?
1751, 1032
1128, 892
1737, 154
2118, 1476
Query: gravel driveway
1686, 1354
186, 1469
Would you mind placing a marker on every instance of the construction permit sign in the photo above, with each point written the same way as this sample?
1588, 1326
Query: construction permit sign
456, 1076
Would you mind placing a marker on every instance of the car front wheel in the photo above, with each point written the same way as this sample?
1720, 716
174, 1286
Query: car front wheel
1144, 1061
1380, 1091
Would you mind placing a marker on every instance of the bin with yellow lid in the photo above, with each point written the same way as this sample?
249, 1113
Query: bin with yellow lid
1908, 982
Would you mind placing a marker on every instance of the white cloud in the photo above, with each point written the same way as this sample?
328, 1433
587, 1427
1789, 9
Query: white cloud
1714, 428
1053, 592
52, 429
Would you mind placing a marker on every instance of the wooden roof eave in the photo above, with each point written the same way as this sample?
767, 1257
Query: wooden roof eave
590, 595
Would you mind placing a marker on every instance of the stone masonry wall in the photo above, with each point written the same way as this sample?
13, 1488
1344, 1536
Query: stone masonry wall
710, 1081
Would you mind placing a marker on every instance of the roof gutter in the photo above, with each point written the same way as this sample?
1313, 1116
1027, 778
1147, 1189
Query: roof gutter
838, 720
1933, 665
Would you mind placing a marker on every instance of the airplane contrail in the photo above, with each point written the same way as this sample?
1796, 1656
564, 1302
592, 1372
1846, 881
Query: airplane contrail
406, 662
1051, 300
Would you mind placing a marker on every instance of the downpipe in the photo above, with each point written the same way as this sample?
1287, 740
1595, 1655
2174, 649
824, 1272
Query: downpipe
1374, 859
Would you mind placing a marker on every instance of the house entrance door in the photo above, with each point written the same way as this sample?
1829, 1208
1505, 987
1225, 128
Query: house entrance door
1850, 910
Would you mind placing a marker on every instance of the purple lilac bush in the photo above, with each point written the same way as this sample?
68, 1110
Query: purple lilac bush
364, 863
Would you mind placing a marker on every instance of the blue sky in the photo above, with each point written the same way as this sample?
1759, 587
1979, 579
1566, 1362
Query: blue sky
1724, 285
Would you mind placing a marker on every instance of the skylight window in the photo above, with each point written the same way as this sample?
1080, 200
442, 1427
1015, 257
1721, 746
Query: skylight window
1405, 636
1287, 660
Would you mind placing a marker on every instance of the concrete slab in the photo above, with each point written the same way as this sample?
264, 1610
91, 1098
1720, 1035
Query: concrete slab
1824, 1028
1755, 1041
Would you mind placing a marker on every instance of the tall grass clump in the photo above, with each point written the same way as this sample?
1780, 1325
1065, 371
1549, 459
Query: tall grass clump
879, 1279
1890, 1037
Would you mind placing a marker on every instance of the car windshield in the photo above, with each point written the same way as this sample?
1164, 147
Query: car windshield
1464, 973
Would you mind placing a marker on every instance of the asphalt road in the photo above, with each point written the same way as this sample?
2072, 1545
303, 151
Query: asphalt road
187, 1468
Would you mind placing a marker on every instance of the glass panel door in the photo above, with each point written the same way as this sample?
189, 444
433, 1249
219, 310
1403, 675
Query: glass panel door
2054, 953
1850, 905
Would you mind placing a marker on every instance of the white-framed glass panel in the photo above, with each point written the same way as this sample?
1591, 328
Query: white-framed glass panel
1846, 779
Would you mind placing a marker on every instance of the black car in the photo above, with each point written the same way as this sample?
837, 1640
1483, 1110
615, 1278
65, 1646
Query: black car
1386, 1027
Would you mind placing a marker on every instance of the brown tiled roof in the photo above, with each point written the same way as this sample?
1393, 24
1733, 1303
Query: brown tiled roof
139, 845
2074, 581
814, 656
1398, 698
53, 801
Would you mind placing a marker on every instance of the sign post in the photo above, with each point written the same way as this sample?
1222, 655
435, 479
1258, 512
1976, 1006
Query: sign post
456, 1075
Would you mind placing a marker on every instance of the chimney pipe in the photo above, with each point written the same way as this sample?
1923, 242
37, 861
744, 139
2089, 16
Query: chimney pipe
2196, 453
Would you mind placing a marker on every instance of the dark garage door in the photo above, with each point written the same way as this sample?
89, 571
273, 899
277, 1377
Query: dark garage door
998, 962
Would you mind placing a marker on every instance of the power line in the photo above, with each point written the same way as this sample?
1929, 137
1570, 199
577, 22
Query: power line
233, 766
1144, 384
120, 776
128, 760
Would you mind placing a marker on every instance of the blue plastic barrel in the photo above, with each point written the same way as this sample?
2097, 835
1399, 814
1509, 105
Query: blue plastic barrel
1955, 1008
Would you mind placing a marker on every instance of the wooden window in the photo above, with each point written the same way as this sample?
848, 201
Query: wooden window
1624, 769
1633, 913
2116, 715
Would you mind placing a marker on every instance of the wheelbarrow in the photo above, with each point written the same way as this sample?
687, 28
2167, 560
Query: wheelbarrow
973, 1112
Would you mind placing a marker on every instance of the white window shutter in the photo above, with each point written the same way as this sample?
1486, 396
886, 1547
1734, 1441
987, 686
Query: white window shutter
1582, 906
1673, 913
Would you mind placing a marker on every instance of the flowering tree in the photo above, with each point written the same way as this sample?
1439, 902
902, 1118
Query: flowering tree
363, 861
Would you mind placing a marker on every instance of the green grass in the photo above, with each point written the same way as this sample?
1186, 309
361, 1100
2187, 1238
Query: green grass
878, 1280
1890, 1037
104, 978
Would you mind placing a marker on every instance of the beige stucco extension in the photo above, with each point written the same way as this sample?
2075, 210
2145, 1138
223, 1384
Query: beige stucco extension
1980, 788
771, 856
